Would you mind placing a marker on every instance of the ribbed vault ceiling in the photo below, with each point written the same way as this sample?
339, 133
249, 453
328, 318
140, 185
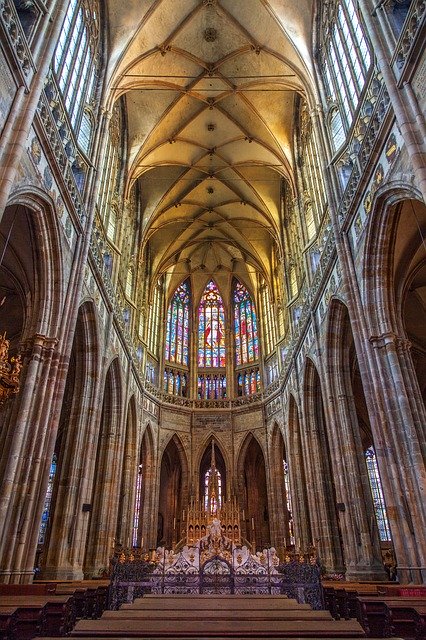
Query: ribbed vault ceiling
209, 87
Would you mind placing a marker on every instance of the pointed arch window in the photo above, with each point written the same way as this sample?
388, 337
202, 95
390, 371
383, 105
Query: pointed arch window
268, 320
245, 326
177, 328
47, 500
76, 58
136, 514
211, 328
288, 502
345, 66
377, 495
212, 490
154, 319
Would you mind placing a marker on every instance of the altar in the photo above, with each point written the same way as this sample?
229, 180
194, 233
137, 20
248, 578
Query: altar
216, 564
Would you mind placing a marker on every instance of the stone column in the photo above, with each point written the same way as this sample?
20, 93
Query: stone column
357, 520
401, 455
28, 446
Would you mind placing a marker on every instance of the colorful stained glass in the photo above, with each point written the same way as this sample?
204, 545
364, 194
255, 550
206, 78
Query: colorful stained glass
47, 501
211, 386
245, 326
377, 495
177, 329
137, 507
211, 328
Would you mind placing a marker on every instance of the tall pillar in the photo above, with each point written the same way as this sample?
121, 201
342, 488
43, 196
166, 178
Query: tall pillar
400, 458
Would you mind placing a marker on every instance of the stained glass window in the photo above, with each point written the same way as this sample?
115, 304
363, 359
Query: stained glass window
211, 328
248, 382
154, 319
212, 478
288, 502
377, 495
346, 65
47, 501
76, 59
245, 326
268, 319
211, 386
177, 330
137, 507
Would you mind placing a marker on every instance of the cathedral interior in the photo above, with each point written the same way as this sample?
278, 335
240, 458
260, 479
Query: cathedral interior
212, 281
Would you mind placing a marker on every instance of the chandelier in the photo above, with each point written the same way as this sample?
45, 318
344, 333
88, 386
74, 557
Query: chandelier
9, 371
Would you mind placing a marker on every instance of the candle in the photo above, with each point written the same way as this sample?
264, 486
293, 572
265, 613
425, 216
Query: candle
174, 523
142, 543
244, 515
252, 523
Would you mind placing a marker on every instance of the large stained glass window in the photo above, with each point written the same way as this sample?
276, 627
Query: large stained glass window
137, 507
177, 332
211, 328
47, 501
245, 325
288, 503
377, 495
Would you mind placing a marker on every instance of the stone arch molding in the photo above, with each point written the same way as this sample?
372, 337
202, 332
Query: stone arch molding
376, 289
205, 444
44, 225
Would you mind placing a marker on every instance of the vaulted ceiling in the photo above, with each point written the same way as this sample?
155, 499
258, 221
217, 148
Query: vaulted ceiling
210, 88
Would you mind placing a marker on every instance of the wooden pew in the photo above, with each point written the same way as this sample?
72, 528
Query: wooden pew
379, 615
8, 616
35, 615
341, 599
27, 620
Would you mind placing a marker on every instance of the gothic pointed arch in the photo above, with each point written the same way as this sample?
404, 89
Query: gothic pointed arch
282, 490
300, 506
143, 479
213, 477
173, 493
127, 487
245, 325
322, 490
253, 493
64, 496
351, 441
107, 471
211, 328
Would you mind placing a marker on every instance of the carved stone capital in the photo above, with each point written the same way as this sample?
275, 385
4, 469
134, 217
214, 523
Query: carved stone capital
390, 338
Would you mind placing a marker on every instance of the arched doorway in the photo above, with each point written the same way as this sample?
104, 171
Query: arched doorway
254, 495
282, 522
30, 303
173, 495
60, 556
143, 533
394, 289
106, 479
321, 489
351, 439
302, 525
127, 489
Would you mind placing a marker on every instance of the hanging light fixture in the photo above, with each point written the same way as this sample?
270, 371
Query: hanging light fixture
10, 368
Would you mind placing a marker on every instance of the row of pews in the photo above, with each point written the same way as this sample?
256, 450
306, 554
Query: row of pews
382, 610
50, 608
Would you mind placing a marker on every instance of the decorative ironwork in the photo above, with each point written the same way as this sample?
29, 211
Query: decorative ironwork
216, 565
9, 371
